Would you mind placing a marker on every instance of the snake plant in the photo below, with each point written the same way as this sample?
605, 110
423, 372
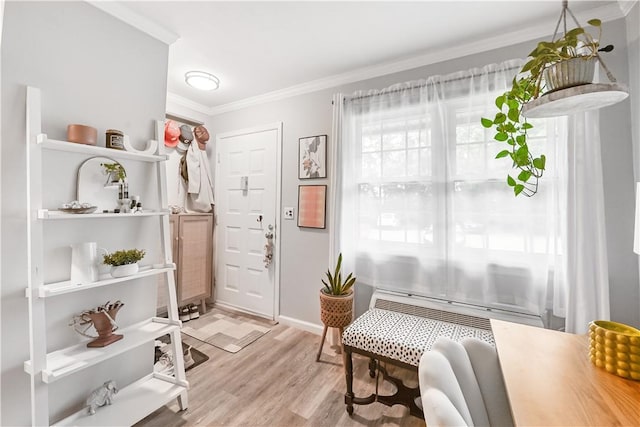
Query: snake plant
336, 286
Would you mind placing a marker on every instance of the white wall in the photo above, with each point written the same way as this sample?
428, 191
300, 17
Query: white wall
96, 70
305, 252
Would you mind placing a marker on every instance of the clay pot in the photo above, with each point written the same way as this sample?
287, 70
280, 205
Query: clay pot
82, 134
104, 328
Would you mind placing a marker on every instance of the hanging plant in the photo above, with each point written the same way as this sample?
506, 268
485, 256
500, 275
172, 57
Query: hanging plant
512, 126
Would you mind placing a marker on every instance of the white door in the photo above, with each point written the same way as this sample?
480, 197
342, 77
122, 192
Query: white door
247, 200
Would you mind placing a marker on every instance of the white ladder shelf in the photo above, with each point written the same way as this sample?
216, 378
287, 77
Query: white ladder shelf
137, 400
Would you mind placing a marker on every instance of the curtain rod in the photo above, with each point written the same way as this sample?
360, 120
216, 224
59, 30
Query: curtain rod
383, 92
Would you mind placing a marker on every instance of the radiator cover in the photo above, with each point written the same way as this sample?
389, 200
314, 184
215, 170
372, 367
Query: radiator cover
457, 313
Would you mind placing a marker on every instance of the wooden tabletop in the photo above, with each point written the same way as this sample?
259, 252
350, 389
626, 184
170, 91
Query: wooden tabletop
551, 382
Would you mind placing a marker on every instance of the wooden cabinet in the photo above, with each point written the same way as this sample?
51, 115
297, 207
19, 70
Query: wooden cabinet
193, 255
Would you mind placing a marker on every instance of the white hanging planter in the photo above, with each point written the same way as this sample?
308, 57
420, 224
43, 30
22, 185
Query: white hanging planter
124, 270
572, 72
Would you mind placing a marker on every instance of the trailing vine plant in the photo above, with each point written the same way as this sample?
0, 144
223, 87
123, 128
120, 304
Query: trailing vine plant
511, 126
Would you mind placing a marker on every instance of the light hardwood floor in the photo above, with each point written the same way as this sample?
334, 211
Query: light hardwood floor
276, 381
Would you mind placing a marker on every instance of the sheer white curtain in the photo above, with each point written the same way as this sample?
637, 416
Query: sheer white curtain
585, 294
423, 204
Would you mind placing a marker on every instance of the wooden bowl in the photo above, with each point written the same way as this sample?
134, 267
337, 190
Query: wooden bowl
82, 134
615, 347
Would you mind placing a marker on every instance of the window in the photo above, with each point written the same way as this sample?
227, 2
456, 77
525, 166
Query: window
426, 208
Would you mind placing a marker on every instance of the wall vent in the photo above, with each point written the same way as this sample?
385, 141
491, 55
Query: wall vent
435, 314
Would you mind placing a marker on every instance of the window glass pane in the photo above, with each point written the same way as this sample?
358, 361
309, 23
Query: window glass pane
393, 141
470, 132
470, 159
370, 142
413, 138
413, 163
370, 165
425, 162
498, 168
394, 164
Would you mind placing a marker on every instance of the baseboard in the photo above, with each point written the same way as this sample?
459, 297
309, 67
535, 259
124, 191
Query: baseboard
301, 324
231, 307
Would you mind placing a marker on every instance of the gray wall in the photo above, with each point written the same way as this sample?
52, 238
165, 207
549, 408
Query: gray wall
633, 41
91, 69
305, 253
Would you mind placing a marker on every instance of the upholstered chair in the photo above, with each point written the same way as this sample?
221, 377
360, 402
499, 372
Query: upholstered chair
461, 385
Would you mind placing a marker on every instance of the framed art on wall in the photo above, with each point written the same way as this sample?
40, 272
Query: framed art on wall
312, 202
312, 157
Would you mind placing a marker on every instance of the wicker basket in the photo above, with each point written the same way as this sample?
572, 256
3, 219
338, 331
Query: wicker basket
336, 311
615, 347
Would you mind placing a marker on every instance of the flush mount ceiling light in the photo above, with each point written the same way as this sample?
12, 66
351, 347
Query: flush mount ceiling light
569, 81
202, 80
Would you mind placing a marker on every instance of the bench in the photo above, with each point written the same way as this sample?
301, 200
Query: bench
398, 334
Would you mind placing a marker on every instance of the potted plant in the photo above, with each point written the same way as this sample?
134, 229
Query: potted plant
124, 262
115, 172
336, 301
551, 67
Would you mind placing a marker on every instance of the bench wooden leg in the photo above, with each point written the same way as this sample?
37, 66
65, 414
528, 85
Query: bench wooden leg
348, 370
373, 364
324, 335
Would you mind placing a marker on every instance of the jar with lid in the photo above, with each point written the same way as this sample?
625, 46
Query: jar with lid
115, 139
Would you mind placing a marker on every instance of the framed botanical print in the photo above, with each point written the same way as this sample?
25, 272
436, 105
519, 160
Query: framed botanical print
312, 203
312, 157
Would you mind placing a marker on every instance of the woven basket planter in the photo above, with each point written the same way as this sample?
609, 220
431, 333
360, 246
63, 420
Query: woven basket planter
336, 311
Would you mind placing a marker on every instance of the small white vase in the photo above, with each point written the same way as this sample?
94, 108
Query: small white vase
124, 270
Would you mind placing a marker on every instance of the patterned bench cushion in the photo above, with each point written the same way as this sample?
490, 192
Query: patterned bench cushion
404, 337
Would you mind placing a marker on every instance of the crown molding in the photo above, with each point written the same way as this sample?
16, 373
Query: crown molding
136, 20
605, 13
626, 6
181, 101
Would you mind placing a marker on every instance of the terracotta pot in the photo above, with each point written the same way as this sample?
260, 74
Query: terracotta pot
336, 311
103, 326
82, 134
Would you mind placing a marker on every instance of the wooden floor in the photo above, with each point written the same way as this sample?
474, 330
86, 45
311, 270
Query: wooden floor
276, 381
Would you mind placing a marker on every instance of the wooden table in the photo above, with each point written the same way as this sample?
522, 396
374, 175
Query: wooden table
551, 382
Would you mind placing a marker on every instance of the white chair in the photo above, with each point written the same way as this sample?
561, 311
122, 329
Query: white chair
461, 385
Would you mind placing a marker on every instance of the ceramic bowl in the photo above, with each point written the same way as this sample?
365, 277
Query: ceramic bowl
615, 347
82, 134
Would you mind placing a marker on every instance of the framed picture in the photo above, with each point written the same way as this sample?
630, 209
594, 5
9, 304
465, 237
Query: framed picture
312, 202
312, 157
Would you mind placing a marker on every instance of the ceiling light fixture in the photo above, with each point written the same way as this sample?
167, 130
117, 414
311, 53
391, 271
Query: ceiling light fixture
202, 80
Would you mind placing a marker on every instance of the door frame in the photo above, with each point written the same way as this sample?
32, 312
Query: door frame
277, 126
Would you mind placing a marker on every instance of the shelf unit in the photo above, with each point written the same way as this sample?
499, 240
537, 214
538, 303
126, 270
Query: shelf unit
60, 288
145, 395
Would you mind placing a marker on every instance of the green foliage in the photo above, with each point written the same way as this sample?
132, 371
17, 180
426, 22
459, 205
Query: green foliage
122, 257
115, 169
336, 286
511, 126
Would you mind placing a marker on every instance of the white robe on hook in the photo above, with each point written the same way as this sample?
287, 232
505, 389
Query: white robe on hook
198, 191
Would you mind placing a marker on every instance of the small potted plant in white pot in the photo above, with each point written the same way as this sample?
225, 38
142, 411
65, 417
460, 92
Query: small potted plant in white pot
124, 262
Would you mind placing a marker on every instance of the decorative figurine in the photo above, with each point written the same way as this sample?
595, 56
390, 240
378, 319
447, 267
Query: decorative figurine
101, 396
102, 318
